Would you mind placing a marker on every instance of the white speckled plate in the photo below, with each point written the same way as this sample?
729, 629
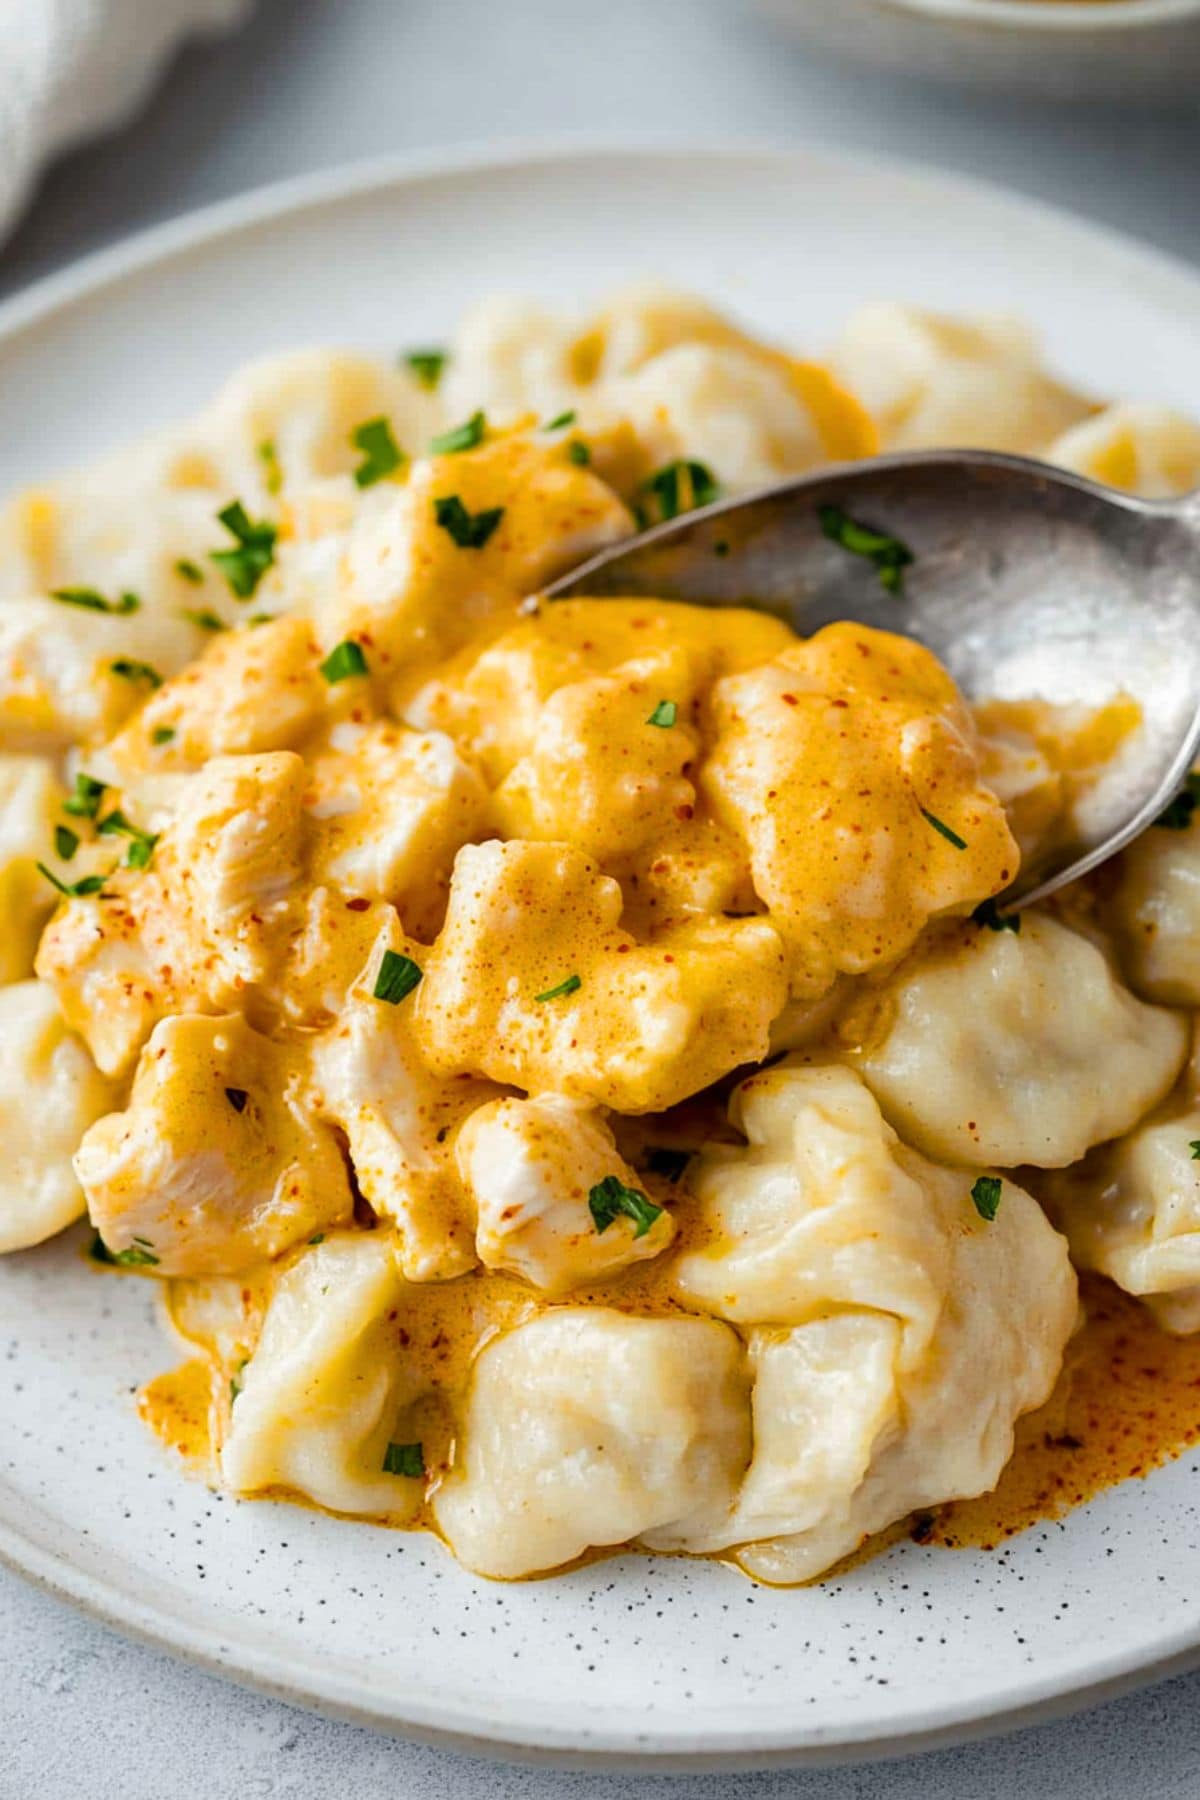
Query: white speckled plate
644, 1661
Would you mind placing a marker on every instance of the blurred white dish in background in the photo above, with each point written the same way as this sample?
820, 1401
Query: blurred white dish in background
1123, 51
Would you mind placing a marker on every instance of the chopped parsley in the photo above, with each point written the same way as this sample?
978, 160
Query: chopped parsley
669, 1163
141, 843
889, 555
1194, 1147
561, 420
462, 437
84, 803
245, 566
944, 830
469, 530
1177, 814
162, 734
318, 1237
571, 985
344, 661
404, 1459
398, 975
611, 1197
139, 1255
235, 1380
382, 455
268, 456
986, 1195
988, 915
664, 714
237, 1098
427, 365
204, 619
190, 571
579, 453
679, 487
74, 890
94, 602
129, 669
66, 843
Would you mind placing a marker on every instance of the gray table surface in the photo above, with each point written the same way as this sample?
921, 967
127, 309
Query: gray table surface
310, 84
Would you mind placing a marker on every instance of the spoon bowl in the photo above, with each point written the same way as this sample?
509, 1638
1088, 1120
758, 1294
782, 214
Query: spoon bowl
1027, 582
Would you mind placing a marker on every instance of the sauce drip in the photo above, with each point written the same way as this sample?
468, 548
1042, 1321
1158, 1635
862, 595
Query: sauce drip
177, 1407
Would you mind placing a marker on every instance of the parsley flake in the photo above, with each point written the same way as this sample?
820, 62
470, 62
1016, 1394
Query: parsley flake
571, 985
268, 456
139, 1255
129, 669
65, 842
427, 365
664, 714
889, 555
94, 602
84, 803
404, 1459
986, 1195
988, 915
1177, 814
398, 975
237, 1098
203, 619
189, 571
235, 1380
382, 455
611, 1197
561, 420
344, 661
1194, 1147
462, 437
74, 890
245, 567
318, 1237
679, 487
162, 734
141, 843
579, 453
469, 530
943, 830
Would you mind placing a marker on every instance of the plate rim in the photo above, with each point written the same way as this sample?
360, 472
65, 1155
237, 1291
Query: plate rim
412, 1713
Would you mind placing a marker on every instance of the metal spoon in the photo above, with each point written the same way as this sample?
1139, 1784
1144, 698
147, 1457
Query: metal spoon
1026, 581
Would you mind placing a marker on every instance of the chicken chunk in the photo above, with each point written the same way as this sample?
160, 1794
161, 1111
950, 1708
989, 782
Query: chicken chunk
848, 766
392, 808
370, 1080
252, 690
422, 571
532, 982
217, 1163
606, 770
533, 1169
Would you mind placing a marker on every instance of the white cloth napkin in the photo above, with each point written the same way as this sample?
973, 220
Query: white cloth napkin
71, 68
